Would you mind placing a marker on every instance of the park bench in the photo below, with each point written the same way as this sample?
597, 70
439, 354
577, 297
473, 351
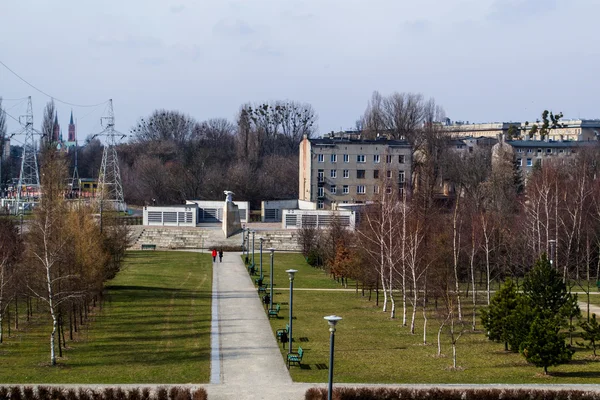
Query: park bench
259, 281
251, 269
282, 334
274, 312
148, 247
262, 289
295, 357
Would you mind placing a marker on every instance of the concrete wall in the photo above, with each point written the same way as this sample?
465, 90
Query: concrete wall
296, 219
306, 205
270, 210
213, 211
231, 219
171, 216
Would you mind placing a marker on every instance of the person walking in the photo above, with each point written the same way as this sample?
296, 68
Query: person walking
221, 255
214, 255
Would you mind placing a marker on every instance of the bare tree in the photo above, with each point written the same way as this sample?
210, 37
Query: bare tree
10, 253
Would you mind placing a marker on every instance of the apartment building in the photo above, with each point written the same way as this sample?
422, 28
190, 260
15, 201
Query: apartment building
568, 129
346, 169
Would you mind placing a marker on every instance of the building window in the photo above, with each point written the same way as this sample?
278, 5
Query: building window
345, 189
333, 173
561, 151
346, 173
549, 151
346, 158
320, 175
388, 189
376, 158
376, 174
320, 204
360, 158
529, 162
321, 158
388, 174
344, 201
361, 189
360, 174
400, 176
376, 189
401, 159
539, 150
320, 191
333, 189
334, 158
529, 151
388, 159
519, 162
519, 150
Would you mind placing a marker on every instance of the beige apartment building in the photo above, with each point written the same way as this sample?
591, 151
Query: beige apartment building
346, 169
570, 129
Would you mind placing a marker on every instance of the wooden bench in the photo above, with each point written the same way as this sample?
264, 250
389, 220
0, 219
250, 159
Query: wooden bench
148, 247
274, 312
295, 357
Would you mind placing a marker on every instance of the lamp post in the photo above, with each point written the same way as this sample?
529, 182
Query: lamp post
253, 232
261, 244
291, 273
243, 240
552, 243
332, 320
272, 250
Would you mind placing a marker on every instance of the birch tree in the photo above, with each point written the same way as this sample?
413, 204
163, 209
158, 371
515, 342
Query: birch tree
10, 253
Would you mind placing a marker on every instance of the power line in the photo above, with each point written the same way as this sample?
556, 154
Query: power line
46, 94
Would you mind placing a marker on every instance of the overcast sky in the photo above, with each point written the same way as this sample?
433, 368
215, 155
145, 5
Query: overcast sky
482, 60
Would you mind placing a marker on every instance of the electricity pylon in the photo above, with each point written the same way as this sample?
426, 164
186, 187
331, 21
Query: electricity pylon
29, 175
109, 178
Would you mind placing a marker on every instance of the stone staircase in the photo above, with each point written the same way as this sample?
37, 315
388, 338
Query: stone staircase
211, 237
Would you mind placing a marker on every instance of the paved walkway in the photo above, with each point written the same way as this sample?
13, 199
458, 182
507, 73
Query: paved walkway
247, 362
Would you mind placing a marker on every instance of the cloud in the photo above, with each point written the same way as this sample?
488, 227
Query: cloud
261, 48
417, 26
152, 61
228, 27
126, 42
177, 9
517, 10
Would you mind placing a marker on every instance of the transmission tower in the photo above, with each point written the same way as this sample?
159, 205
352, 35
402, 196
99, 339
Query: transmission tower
29, 177
109, 178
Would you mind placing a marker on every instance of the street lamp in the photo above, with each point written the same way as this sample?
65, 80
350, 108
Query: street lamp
261, 244
253, 232
272, 250
291, 273
552, 243
243, 240
332, 320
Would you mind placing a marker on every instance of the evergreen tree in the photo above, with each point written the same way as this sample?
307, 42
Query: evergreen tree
545, 346
544, 288
550, 304
591, 332
498, 317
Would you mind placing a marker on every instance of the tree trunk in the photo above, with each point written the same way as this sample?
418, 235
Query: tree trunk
455, 250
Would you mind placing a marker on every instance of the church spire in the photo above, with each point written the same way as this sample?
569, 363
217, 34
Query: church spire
71, 122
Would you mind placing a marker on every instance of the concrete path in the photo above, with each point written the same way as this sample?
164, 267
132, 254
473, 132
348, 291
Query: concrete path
247, 363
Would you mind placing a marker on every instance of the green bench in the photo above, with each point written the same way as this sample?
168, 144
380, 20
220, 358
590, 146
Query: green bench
274, 312
295, 357
285, 330
148, 247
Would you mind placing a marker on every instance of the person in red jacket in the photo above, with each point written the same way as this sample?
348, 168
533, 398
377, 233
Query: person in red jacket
214, 255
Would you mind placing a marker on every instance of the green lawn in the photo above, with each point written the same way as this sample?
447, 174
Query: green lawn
306, 277
370, 347
154, 328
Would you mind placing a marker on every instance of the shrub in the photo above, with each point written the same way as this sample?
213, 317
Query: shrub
161, 394
145, 393
109, 394
56, 393
120, 394
72, 394
43, 393
15, 393
199, 394
134, 394
28, 393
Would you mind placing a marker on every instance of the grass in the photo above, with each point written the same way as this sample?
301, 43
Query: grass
154, 328
306, 277
371, 347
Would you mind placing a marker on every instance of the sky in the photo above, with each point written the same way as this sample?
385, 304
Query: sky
482, 60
